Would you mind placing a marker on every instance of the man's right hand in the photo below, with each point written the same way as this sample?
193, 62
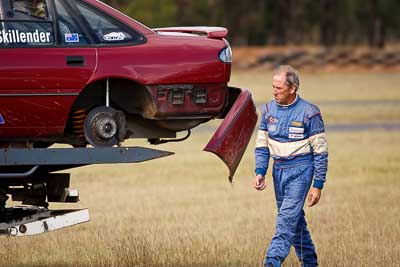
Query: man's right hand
259, 182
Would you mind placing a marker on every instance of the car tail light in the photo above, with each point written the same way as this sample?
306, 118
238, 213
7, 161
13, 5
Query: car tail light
226, 55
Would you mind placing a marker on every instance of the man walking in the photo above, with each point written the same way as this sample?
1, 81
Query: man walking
292, 133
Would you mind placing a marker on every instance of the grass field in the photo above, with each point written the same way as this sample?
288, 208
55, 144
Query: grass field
181, 210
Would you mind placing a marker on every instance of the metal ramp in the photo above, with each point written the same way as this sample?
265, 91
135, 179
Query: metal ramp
27, 175
74, 157
26, 221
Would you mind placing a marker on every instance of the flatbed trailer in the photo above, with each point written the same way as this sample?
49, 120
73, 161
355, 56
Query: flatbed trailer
27, 174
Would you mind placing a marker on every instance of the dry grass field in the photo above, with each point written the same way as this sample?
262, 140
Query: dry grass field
181, 210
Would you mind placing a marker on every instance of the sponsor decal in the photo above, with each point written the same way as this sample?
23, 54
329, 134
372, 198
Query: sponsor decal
272, 120
71, 38
114, 36
1, 119
296, 130
296, 136
271, 128
297, 124
17, 37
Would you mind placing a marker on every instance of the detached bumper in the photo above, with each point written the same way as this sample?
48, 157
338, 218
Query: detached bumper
233, 135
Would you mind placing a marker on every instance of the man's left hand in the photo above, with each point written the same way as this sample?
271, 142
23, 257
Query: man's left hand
313, 196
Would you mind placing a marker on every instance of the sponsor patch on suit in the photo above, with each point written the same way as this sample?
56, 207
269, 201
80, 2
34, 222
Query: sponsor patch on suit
297, 124
271, 128
296, 136
273, 120
296, 130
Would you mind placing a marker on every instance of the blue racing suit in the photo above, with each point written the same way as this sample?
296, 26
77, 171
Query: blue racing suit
294, 136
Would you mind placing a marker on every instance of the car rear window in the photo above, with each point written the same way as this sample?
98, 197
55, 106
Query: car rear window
105, 28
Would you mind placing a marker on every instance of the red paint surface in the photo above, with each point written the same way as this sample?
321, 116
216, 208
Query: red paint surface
170, 58
165, 60
233, 135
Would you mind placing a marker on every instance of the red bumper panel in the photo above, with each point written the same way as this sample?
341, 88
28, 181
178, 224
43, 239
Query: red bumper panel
233, 135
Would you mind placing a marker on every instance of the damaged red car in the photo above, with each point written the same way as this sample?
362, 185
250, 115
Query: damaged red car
79, 72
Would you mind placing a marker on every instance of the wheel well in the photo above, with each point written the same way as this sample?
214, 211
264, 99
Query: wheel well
125, 95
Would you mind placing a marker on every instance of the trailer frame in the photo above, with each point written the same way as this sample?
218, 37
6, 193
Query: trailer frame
27, 174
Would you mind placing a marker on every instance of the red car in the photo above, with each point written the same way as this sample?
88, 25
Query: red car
79, 72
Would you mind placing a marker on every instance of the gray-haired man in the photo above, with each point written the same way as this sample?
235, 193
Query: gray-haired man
292, 133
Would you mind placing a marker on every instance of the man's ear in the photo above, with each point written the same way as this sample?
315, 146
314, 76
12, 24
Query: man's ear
292, 89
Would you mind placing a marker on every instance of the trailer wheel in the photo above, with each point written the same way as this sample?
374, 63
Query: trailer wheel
105, 127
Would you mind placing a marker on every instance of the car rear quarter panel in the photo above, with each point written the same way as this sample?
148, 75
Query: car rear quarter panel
165, 60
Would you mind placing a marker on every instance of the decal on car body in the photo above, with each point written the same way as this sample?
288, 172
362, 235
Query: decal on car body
15, 36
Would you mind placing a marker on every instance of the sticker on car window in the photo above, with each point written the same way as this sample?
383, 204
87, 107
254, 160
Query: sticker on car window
17, 37
114, 36
71, 38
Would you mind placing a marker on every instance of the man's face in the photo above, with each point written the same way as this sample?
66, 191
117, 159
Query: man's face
282, 93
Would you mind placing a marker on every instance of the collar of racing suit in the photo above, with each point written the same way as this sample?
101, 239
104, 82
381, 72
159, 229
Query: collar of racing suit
295, 101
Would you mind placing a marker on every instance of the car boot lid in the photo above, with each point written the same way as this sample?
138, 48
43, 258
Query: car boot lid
210, 32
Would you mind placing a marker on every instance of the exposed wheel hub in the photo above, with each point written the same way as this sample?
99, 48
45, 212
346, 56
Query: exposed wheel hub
105, 126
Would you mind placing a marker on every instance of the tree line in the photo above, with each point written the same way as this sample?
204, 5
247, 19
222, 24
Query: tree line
278, 22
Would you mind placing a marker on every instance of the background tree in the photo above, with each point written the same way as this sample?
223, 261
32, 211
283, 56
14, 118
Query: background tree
271, 22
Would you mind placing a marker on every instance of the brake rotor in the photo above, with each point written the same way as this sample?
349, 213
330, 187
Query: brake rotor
104, 126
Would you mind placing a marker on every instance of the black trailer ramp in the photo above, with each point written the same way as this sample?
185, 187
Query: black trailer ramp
78, 156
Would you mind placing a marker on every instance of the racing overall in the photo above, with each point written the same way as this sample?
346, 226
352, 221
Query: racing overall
294, 136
